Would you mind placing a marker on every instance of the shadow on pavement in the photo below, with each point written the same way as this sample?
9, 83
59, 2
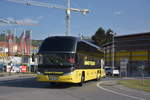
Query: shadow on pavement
32, 83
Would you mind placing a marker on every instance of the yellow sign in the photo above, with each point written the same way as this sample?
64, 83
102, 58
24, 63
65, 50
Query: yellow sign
89, 63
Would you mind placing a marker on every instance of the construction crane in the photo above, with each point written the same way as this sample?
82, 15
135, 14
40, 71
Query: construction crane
68, 9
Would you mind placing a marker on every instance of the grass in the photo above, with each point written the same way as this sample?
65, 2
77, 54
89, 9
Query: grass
136, 84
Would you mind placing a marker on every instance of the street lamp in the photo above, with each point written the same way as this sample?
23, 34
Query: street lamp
113, 53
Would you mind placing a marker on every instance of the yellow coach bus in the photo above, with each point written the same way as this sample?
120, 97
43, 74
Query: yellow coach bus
69, 59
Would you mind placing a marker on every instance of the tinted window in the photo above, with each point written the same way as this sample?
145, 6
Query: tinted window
62, 59
58, 44
83, 47
88, 49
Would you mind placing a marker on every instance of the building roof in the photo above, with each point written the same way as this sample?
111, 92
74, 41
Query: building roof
3, 44
134, 34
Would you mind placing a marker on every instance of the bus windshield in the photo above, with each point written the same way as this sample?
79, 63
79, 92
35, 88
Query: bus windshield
58, 59
58, 44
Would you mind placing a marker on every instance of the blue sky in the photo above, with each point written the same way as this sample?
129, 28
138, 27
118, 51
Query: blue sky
122, 16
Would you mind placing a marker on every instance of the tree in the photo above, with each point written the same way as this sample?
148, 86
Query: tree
102, 37
109, 35
99, 36
36, 42
2, 37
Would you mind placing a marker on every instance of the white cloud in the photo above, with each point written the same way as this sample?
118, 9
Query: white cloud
117, 13
27, 21
40, 17
12, 21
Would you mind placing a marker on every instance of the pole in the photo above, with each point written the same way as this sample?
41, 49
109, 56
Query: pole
104, 56
30, 50
30, 42
68, 19
14, 41
142, 74
15, 31
113, 55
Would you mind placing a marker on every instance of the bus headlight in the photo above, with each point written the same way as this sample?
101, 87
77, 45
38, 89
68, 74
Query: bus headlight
70, 73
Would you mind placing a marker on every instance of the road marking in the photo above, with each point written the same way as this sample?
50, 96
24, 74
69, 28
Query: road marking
108, 90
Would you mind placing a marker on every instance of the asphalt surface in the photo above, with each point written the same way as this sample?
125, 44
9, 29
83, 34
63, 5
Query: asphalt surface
27, 88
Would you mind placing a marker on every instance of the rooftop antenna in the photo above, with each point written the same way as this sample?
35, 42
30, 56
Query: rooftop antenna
47, 5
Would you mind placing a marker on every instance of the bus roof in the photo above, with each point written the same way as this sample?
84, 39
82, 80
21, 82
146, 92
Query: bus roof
66, 44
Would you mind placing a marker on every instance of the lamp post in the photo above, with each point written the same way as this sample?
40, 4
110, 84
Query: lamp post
113, 53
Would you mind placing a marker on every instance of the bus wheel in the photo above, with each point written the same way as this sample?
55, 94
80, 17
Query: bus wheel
82, 80
98, 77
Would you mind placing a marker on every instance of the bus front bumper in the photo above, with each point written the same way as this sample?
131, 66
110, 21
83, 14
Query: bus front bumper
56, 78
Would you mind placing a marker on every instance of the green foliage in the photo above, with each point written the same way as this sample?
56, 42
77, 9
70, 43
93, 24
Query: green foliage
36, 42
2, 37
102, 37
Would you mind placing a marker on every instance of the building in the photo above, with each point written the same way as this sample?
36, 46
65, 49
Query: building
3, 50
131, 54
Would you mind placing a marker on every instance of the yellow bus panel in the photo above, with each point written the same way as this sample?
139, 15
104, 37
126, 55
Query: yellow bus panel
73, 77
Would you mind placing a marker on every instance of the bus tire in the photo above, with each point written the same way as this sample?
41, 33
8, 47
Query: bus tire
82, 80
98, 76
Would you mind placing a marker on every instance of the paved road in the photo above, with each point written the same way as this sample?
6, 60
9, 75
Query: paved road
26, 88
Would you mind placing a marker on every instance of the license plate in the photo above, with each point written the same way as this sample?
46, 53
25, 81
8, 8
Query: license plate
53, 78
